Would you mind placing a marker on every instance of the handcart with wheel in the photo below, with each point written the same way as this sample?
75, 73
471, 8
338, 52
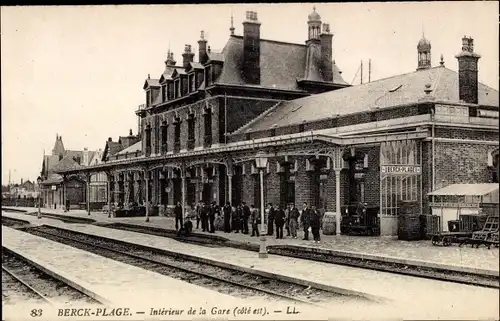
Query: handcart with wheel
447, 238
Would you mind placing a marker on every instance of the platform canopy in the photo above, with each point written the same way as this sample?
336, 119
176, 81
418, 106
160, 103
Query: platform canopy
487, 191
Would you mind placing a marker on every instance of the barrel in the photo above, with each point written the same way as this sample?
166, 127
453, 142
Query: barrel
219, 223
329, 224
409, 227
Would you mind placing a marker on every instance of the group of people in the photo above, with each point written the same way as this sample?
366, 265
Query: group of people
238, 218
291, 218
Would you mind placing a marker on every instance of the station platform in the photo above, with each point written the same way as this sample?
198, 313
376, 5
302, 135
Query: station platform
420, 253
407, 297
107, 280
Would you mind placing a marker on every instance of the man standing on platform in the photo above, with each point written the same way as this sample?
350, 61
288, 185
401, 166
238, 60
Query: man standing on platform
178, 216
255, 217
236, 219
246, 216
306, 221
270, 220
294, 220
211, 216
227, 217
279, 220
205, 211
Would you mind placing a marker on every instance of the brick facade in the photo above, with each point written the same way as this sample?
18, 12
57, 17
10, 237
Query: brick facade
462, 163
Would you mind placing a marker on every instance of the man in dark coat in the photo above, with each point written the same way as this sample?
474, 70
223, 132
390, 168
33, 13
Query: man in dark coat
227, 217
211, 216
305, 219
236, 219
178, 216
205, 209
315, 224
279, 220
246, 216
270, 220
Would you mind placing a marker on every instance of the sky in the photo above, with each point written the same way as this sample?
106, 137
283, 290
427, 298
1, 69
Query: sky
78, 71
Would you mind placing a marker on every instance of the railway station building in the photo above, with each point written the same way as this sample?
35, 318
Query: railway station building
327, 143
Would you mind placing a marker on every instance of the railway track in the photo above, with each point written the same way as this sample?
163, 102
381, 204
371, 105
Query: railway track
26, 282
221, 279
15, 290
13, 222
290, 251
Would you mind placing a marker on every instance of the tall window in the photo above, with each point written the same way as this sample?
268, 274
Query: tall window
148, 98
170, 90
177, 88
177, 135
164, 93
208, 75
191, 82
164, 137
191, 123
400, 175
208, 128
148, 140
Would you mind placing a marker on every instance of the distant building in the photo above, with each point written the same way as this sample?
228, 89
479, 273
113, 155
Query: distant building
74, 188
26, 189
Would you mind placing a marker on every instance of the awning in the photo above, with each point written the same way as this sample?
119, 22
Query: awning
466, 190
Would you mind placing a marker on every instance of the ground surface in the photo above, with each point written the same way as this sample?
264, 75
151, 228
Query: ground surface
480, 258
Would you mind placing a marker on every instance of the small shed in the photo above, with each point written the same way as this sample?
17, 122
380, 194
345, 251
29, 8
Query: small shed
454, 200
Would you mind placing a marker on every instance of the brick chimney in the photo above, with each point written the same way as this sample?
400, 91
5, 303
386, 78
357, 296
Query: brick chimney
202, 48
86, 159
251, 48
326, 53
187, 56
467, 72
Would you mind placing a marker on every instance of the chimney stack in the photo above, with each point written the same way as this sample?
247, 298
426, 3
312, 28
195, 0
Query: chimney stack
202, 48
326, 53
251, 48
467, 72
187, 56
109, 139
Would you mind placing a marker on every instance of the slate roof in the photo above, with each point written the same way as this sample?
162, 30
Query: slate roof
281, 64
151, 83
215, 56
49, 162
131, 149
382, 93
167, 73
53, 179
111, 148
67, 163
196, 65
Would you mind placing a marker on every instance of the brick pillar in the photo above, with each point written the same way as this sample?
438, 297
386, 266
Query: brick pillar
272, 184
302, 184
330, 192
248, 186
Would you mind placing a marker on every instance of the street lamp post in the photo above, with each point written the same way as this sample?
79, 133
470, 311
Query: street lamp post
39, 181
261, 163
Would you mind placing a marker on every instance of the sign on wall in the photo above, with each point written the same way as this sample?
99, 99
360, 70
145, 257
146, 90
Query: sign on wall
401, 169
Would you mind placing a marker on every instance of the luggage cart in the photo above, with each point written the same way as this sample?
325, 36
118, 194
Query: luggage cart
447, 238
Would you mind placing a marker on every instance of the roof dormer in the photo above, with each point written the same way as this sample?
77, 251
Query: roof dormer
152, 88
